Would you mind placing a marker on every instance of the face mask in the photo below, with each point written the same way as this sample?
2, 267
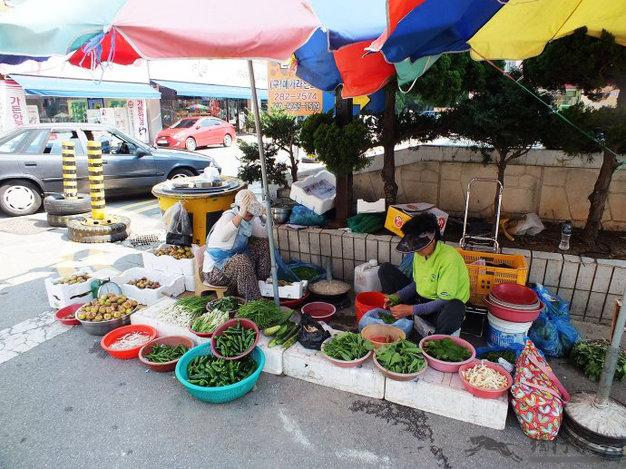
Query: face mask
245, 228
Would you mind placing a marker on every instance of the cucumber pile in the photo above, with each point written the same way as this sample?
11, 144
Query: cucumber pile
285, 335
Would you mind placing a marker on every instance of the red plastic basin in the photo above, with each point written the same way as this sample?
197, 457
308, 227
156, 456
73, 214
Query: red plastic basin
440, 365
115, 334
61, 315
513, 315
367, 301
247, 324
486, 393
514, 294
319, 310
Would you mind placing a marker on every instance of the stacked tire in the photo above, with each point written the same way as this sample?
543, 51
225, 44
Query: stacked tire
60, 210
117, 229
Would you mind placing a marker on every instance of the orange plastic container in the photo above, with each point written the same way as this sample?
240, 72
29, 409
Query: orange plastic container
115, 334
484, 277
367, 301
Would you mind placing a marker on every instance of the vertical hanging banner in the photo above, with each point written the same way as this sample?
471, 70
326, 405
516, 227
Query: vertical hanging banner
139, 119
13, 111
289, 93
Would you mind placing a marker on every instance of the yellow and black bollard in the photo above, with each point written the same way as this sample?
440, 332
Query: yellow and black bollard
70, 182
96, 180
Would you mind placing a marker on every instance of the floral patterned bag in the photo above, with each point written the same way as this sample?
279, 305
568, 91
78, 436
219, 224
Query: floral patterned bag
537, 395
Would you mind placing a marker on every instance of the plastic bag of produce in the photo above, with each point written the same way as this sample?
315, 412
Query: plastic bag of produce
374, 317
179, 230
553, 332
300, 215
312, 334
366, 222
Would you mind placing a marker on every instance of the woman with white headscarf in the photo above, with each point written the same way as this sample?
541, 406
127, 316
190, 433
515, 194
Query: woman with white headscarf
237, 250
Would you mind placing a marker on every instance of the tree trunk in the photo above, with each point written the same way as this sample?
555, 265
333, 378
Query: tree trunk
294, 166
389, 143
621, 97
343, 198
598, 197
501, 170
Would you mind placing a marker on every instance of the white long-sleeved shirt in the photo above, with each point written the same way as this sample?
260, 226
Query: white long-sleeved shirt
224, 234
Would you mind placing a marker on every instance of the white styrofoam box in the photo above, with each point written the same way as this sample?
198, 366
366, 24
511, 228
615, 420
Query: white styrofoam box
273, 356
316, 192
311, 366
444, 394
171, 284
61, 295
362, 206
190, 282
168, 263
149, 316
295, 291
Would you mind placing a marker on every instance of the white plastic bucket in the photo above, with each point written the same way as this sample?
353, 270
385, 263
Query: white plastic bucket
505, 333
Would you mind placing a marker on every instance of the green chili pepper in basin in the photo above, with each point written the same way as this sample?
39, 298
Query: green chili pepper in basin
235, 340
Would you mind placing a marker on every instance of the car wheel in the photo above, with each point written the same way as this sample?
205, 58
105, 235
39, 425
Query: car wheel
181, 173
228, 140
190, 144
19, 198
80, 231
57, 204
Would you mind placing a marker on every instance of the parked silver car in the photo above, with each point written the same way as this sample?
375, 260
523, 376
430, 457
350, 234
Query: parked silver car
30, 163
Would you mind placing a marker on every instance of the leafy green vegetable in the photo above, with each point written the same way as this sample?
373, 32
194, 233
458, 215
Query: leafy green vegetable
347, 346
401, 357
228, 303
305, 273
447, 350
210, 371
508, 355
264, 313
195, 305
589, 356
387, 317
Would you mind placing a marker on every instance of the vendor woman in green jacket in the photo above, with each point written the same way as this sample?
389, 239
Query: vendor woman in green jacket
440, 285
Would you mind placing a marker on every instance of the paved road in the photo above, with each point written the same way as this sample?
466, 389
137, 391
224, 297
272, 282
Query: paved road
65, 403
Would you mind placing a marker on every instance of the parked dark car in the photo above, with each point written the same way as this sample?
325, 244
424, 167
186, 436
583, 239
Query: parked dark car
30, 163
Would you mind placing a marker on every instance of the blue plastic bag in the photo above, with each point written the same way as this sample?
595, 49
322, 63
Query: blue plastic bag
300, 215
553, 332
372, 317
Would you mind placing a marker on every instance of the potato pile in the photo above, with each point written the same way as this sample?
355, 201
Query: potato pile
107, 307
72, 279
177, 252
143, 282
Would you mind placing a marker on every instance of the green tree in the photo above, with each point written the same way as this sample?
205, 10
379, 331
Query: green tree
503, 120
594, 65
284, 130
250, 168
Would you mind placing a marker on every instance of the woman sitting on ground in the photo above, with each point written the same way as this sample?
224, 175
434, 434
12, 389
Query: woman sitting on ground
440, 286
237, 250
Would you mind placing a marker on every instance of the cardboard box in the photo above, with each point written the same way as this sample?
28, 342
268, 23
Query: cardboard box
398, 215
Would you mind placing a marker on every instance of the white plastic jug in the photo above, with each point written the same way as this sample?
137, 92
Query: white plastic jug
366, 277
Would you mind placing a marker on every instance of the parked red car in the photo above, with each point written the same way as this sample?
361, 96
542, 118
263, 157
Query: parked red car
195, 132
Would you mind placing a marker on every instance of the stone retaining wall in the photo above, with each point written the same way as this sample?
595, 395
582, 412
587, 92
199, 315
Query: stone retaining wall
591, 285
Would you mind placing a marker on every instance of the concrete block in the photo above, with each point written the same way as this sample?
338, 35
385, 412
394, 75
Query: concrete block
336, 247
553, 272
537, 270
311, 366
445, 395
316, 259
547, 255
304, 243
305, 258
283, 238
603, 278
585, 273
294, 241
384, 251
566, 293
325, 249
609, 308
337, 264
596, 304
348, 270
396, 257
371, 247
314, 242
571, 264
295, 256
579, 302
273, 356
359, 247
347, 242
618, 284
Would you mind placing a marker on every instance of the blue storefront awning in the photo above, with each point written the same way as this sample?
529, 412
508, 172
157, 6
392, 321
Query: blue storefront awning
201, 90
67, 87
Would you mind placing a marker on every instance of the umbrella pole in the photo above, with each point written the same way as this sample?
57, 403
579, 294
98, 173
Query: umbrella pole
265, 188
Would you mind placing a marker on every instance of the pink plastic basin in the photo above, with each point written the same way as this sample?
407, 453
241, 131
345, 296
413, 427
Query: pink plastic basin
440, 365
514, 294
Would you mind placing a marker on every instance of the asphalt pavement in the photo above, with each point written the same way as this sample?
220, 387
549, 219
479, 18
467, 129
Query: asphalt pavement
67, 404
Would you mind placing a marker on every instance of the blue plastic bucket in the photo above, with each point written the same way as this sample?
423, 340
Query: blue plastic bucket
505, 333
219, 394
